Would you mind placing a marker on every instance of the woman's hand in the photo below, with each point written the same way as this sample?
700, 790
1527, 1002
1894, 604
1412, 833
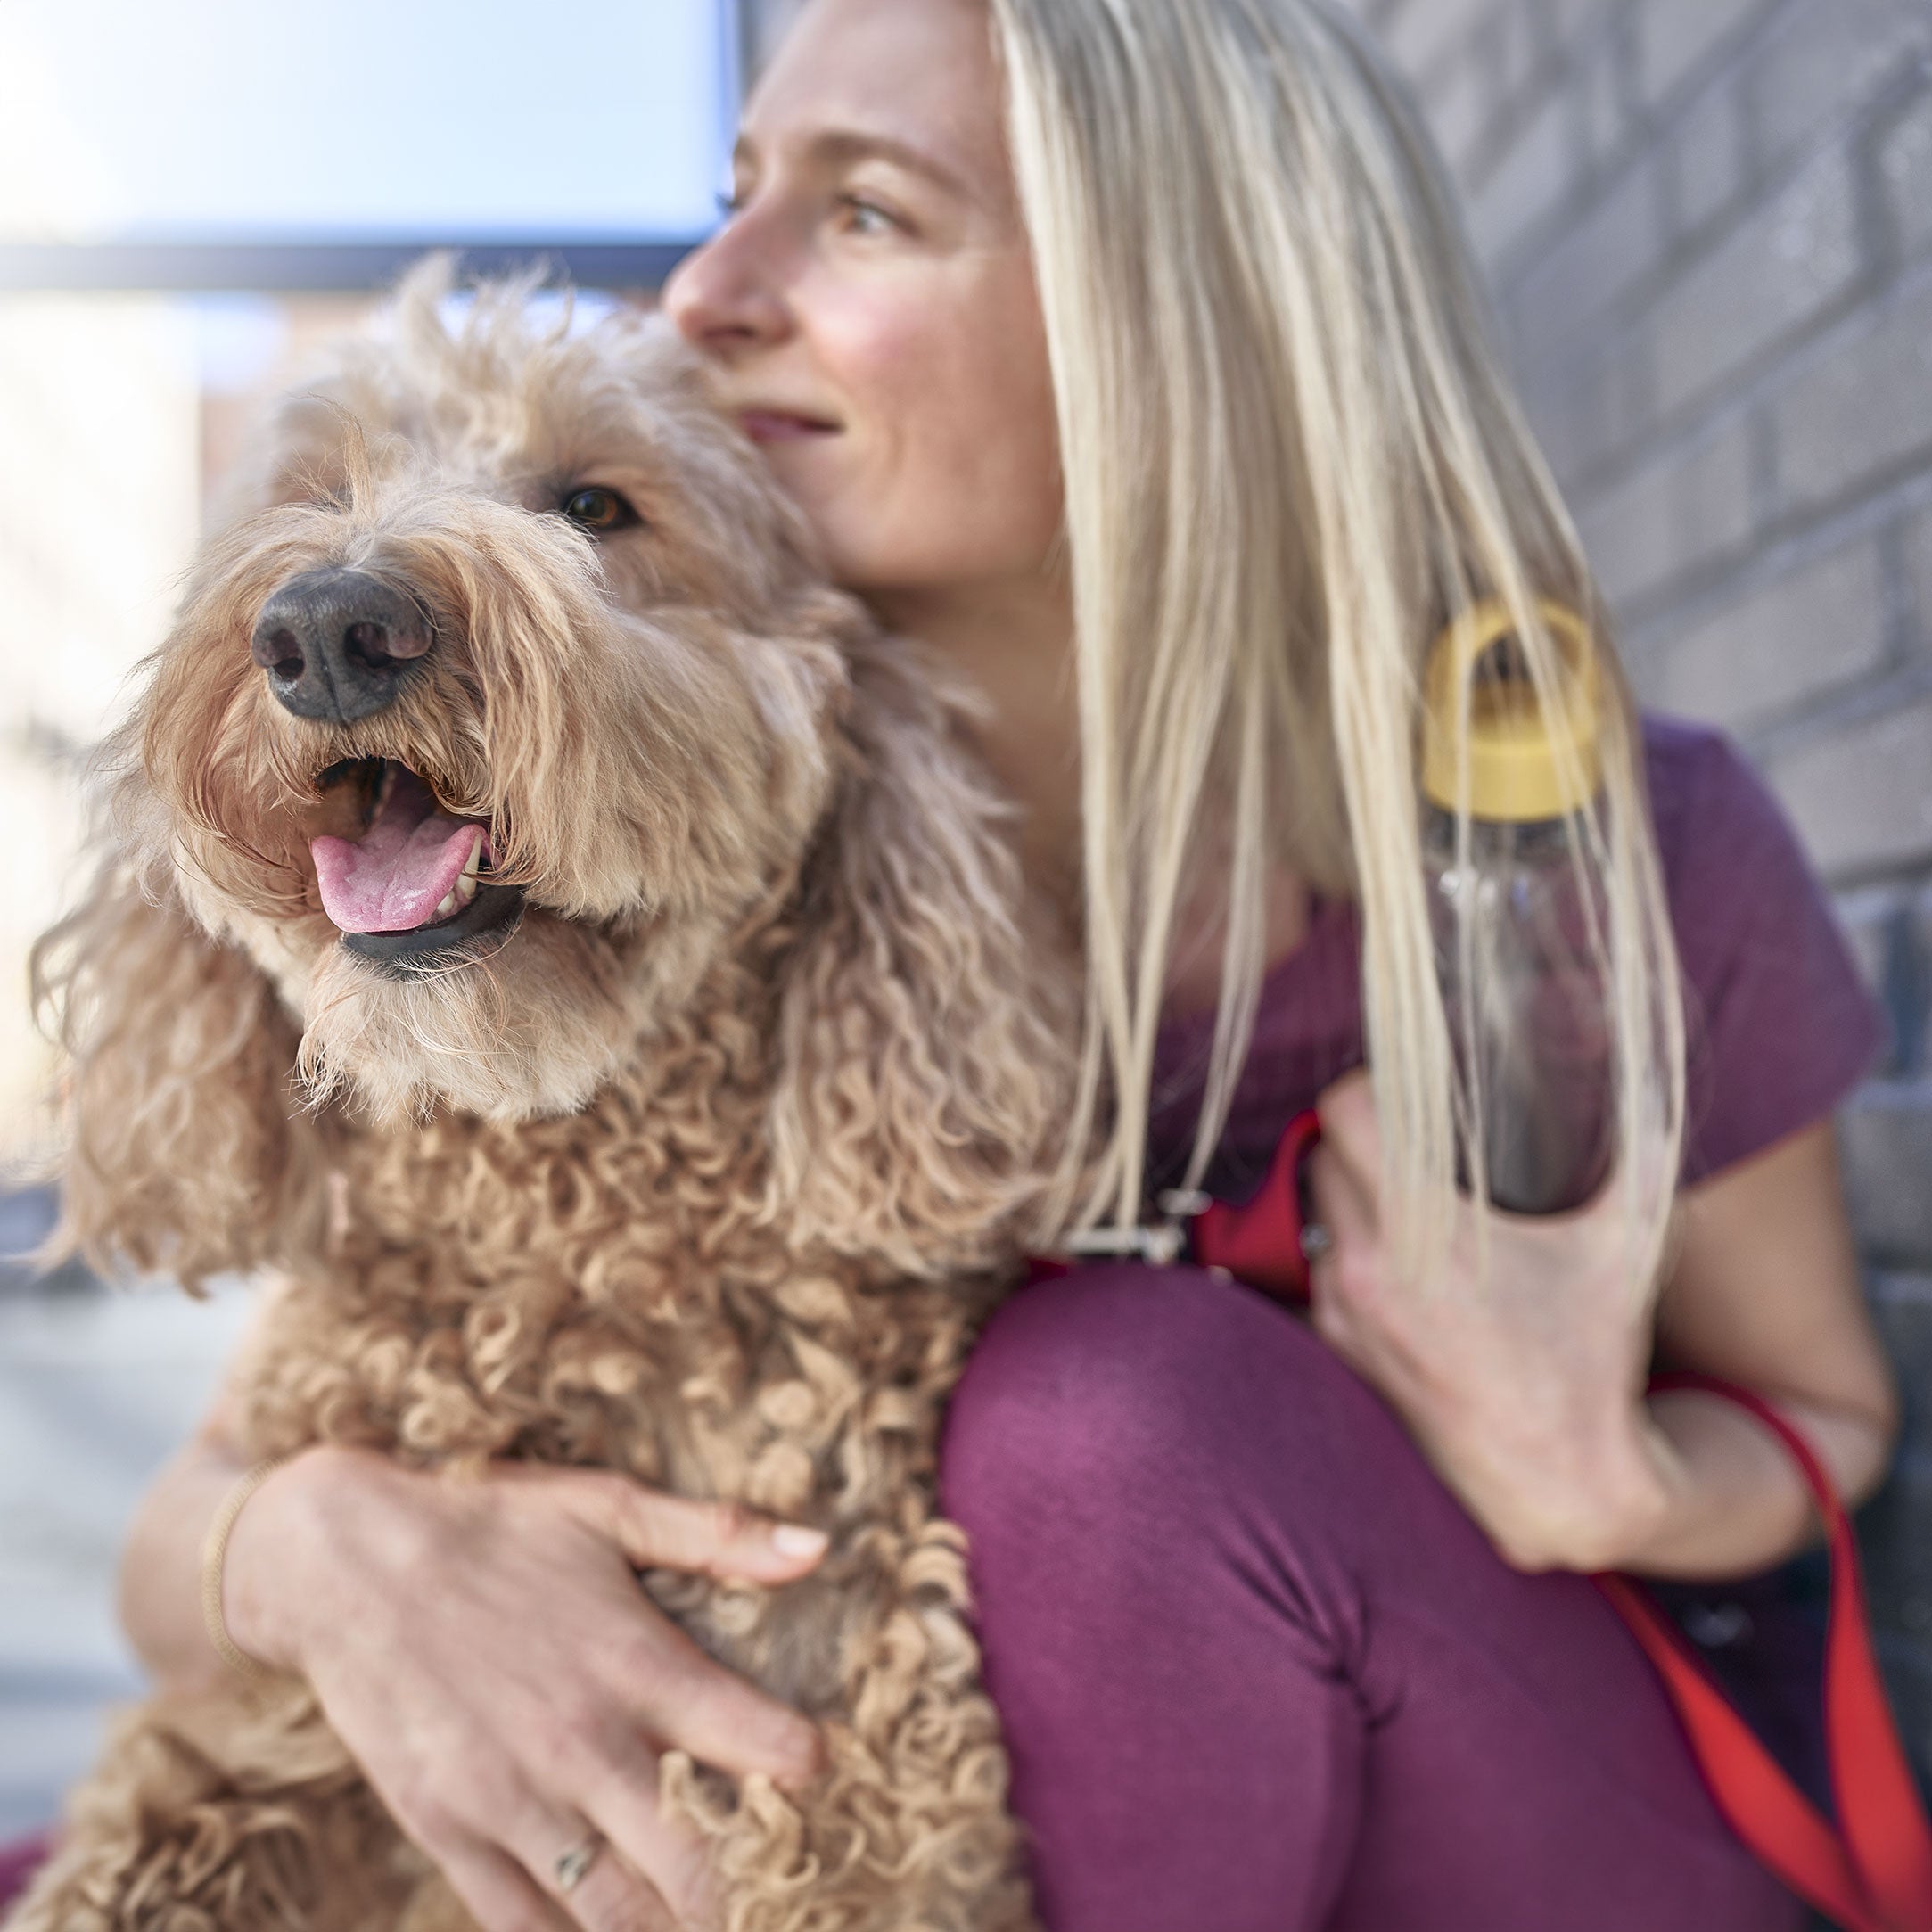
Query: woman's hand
484, 1650
1525, 1389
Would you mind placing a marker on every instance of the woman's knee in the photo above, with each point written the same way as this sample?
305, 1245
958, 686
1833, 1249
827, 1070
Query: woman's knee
1115, 1386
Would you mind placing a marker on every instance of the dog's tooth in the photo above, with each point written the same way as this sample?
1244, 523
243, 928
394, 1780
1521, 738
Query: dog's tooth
473, 862
464, 891
447, 906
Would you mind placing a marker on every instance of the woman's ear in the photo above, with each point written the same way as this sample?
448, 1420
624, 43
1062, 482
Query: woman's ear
187, 1150
926, 1036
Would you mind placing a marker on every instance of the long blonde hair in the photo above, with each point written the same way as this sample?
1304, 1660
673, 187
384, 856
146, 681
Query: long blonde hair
1289, 460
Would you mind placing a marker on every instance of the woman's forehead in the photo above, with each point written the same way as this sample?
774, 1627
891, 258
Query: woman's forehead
915, 79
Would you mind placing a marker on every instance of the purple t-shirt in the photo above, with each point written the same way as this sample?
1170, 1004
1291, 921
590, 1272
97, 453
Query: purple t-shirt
1780, 1026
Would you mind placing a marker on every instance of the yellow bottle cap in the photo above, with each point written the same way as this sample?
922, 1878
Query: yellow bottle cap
1514, 773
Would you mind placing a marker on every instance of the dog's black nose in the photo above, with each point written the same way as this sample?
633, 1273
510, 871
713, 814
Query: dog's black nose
336, 642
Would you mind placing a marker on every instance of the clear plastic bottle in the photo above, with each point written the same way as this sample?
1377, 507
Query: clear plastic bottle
1522, 989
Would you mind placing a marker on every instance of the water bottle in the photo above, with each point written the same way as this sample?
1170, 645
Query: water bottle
1526, 1002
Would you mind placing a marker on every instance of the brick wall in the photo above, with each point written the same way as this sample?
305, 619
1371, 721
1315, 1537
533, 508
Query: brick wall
1707, 226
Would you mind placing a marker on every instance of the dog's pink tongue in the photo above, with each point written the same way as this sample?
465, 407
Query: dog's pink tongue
395, 875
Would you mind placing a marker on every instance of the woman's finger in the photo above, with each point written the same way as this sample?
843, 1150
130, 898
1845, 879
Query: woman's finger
683, 1697
1343, 1204
1349, 1128
621, 1799
724, 1540
590, 1880
627, 1807
496, 1891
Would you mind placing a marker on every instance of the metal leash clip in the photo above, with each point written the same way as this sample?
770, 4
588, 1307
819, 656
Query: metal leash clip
1160, 1244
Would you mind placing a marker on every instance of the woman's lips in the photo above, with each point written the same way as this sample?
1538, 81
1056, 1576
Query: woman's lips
776, 426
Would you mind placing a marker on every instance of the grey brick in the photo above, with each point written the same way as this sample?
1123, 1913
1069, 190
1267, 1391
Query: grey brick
1877, 926
1916, 541
1860, 794
1630, 410
1707, 158
1689, 508
1897, 1550
1570, 20
1674, 36
1594, 263
1597, 108
1588, 411
1534, 174
1794, 637
1865, 917
1507, 50
1791, 262
1906, 1660
1822, 60
1904, 170
1895, 1535
1862, 407
1454, 101
1631, 538
1419, 34
1567, 415
1901, 1308
1916, 996
1885, 1137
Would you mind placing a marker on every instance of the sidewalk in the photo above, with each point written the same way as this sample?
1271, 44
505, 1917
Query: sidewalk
96, 1388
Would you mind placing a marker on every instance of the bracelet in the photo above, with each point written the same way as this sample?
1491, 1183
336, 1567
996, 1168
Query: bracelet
214, 1560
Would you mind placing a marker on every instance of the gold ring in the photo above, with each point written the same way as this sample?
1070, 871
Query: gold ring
571, 1866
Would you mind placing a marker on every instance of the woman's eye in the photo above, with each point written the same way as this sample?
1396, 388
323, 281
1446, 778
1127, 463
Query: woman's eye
867, 218
599, 511
729, 202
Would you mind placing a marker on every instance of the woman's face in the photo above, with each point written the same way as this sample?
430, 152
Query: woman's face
870, 303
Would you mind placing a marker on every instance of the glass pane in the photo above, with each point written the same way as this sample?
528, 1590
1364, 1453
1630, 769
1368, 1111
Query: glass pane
423, 120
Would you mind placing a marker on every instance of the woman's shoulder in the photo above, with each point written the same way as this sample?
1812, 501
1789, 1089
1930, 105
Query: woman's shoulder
1734, 864
1781, 1026
1705, 796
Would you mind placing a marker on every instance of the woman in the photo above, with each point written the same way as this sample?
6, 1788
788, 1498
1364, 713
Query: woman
1120, 351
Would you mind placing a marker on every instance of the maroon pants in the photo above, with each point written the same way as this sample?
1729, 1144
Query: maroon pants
1259, 1671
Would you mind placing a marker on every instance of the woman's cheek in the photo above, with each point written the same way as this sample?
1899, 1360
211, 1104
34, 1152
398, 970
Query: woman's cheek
951, 474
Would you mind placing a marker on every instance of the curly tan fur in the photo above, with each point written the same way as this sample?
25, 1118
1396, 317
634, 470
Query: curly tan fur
707, 1173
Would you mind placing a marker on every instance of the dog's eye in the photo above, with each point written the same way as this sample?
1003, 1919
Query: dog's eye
599, 511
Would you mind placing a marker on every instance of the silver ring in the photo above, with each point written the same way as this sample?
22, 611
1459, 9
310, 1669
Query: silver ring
1316, 1241
573, 1864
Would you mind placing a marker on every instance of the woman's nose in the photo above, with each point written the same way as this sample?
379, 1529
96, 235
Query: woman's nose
721, 298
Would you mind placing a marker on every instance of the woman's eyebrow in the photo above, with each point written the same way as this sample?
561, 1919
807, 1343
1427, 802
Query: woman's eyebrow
834, 147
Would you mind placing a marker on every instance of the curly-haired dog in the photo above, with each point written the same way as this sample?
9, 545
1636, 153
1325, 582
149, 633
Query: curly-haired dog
551, 928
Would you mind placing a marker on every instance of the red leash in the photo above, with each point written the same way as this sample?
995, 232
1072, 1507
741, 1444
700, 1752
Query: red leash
1871, 1869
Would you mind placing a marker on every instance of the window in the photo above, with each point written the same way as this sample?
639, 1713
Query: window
250, 144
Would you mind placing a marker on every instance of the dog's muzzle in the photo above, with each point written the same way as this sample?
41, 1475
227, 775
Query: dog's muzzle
337, 644
415, 889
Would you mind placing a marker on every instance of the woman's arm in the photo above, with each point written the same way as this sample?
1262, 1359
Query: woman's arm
1765, 1292
161, 1567
1525, 1388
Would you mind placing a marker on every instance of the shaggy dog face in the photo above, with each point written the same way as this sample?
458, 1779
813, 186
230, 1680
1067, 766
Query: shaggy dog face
508, 705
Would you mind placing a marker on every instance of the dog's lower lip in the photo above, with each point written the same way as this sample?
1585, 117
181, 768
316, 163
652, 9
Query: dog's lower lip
430, 947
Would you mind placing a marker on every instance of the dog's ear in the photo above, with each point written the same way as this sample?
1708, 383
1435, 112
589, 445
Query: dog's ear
187, 1149
925, 1038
